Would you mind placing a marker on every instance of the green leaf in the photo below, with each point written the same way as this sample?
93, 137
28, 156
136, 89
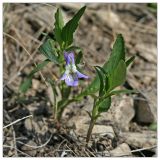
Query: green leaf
62, 104
126, 91
39, 67
130, 60
101, 81
102, 70
52, 83
74, 48
106, 84
71, 26
152, 7
58, 26
153, 126
117, 54
49, 51
105, 78
79, 57
118, 75
25, 85
104, 105
66, 91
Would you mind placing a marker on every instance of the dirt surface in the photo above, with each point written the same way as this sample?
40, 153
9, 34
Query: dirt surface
124, 130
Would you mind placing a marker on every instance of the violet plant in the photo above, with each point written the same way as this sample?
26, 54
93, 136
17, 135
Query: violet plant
61, 51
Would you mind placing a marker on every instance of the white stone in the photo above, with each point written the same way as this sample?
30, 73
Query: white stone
122, 150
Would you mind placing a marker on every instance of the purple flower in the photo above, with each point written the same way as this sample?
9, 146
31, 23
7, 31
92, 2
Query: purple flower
71, 74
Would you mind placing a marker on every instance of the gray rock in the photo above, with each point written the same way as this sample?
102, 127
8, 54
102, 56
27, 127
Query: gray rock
141, 140
103, 130
97, 130
122, 150
143, 113
28, 124
124, 112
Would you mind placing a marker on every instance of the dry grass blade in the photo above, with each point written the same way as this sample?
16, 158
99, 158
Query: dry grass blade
18, 120
142, 149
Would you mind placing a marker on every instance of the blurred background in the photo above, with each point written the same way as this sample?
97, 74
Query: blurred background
129, 125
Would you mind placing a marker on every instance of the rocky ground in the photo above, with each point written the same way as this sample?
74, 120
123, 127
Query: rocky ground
126, 130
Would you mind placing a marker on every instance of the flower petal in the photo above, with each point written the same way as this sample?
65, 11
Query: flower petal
67, 59
63, 77
71, 80
75, 83
80, 75
71, 57
71, 74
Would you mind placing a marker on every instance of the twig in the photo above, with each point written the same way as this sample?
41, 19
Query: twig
142, 149
71, 150
61, 144
18, 120
58, 148
136, 150
91, 153
86, 153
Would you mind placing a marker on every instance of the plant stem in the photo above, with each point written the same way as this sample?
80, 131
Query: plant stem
92, 122
55, 111
59, 114
91, 125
